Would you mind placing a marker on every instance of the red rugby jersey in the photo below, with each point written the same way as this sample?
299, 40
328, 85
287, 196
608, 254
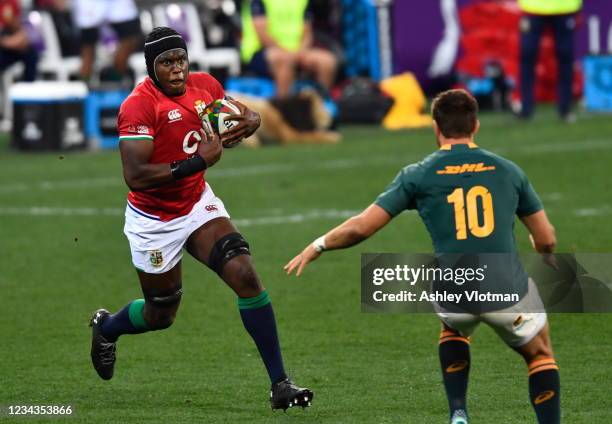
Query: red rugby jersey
172, 124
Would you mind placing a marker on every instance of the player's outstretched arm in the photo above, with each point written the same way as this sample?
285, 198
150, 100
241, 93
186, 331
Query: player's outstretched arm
351, 232
139, 174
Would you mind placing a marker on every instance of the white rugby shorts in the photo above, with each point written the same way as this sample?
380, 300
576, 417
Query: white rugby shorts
516, 325
157, 246
93, 13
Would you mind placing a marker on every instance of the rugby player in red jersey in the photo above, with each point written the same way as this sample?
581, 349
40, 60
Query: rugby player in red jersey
165, 150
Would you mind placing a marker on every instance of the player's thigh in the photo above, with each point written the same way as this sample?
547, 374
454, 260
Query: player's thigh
214, 241
156, 248
538, 347
201, 242
517, 325
463, 323
515, 328
156, 245
208, 222
219, 245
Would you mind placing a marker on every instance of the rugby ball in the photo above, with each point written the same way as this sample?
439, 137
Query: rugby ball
216, 114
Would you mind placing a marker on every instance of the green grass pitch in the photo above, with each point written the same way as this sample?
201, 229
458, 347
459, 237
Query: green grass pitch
63, 254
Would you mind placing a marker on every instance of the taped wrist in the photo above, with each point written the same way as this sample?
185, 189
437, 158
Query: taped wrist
184, 168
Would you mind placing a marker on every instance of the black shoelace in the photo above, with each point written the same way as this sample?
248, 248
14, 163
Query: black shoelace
107, 353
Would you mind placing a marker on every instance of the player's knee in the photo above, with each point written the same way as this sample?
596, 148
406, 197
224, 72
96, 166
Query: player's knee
537, 351
542, 352
225, 249
160, 318
162, 321
240, 274
247, 278
160, 311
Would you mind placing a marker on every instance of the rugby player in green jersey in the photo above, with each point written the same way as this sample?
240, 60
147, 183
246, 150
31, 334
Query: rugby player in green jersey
468, 199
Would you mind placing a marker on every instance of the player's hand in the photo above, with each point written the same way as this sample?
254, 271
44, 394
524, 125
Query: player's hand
548, 258
551, 260
210, 147
309, 254
248, 122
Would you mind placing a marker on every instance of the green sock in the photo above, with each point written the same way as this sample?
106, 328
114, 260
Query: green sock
129, 320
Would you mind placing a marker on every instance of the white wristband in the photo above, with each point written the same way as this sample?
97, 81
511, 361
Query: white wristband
319, 244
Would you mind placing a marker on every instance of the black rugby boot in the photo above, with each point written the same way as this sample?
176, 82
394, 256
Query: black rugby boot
285, 394
102, 351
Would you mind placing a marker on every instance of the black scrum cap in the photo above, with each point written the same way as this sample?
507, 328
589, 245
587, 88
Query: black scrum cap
159, 41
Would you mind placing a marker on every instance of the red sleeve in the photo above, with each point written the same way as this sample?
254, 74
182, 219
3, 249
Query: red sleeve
136, 120
209, 83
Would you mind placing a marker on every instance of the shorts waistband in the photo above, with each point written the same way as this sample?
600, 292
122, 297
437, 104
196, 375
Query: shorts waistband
139, 212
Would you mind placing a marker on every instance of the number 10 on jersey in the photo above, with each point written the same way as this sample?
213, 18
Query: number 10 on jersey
460, 201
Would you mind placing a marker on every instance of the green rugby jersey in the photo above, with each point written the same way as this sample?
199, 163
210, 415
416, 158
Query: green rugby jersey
468, 199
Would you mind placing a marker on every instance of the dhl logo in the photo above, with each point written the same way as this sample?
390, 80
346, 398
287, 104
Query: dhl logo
466, 167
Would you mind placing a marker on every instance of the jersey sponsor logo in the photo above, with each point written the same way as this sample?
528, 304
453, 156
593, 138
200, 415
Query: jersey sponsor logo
211, 208
156, 258
174, 115
457, 366
191, 141
466, 167
544, 396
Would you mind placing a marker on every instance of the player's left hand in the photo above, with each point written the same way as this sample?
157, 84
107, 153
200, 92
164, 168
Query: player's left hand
248, 122
309, 254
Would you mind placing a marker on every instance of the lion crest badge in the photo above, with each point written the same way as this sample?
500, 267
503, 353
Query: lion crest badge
156, 258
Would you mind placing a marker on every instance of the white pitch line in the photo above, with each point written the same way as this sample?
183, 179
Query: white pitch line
284, 168
52, 211
61, 184
588, 212
312, 215
577, 146
551, 197
295, 218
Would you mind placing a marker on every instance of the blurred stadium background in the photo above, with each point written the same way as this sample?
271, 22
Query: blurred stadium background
63, 254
